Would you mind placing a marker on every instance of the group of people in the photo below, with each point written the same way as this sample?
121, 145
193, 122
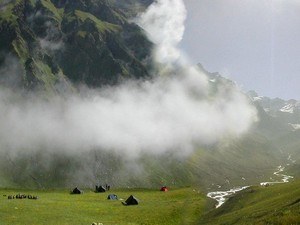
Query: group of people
107, 187
22, 196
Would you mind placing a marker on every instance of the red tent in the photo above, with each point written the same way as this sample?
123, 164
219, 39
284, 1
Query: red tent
164, 188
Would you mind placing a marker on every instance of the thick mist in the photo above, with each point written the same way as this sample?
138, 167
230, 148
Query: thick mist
175, 112
162, 115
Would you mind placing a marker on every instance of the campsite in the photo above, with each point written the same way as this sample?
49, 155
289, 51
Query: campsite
149, 112
276, 204
179, 206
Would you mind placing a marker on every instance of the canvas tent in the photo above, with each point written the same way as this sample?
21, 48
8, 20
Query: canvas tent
100, 189
76, 191
112, 197
164, 188
131, 201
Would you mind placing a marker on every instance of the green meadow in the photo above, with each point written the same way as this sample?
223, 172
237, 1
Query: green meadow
180, 206
277, 205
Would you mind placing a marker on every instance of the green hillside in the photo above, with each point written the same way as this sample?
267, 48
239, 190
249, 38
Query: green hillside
244, 161
276, 204
53, 42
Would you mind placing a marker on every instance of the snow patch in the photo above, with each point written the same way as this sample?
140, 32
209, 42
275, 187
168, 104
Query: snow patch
258, 98
289, 108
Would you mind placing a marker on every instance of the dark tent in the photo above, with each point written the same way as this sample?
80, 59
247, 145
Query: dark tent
100, 189
164, 188
112, 197
76, 191
131, 201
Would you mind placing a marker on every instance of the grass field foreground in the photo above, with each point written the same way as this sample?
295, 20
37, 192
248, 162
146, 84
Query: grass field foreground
180, 206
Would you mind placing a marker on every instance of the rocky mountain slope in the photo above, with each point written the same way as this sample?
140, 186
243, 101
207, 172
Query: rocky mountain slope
53, 41
280, 119
287, 111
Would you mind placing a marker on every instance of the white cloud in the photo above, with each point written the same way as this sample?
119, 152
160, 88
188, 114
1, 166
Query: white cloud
164, 23
159, 116
169, 113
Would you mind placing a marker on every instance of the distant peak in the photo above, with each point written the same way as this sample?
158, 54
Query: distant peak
201, 68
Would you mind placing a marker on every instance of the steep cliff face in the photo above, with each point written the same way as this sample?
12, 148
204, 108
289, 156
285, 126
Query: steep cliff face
89, 42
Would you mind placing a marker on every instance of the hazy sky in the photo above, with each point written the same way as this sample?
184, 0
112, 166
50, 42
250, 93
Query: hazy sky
254, 42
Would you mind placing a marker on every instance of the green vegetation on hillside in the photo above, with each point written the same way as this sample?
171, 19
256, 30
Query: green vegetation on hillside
57, 13
243, 161
90, 42
277, 204
102, 26
6, 12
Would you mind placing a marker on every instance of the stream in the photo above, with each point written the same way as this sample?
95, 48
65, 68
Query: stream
284, 178
222, 196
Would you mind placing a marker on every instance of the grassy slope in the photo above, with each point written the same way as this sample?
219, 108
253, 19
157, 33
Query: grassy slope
6, 13
102, 40
278, 204
57, 13
101, 25
252, 157
181, 206
291, 143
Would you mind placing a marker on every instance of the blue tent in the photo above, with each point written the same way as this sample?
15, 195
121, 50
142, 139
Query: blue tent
112, 197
